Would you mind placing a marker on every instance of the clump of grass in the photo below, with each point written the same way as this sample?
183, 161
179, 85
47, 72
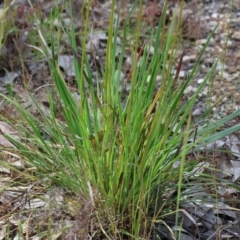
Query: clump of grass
118, 158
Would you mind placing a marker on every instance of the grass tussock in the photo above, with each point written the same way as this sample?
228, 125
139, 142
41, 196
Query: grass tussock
114, 155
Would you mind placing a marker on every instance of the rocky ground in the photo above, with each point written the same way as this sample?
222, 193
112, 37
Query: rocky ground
20, 64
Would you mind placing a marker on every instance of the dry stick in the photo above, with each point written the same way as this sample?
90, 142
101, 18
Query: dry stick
178, 70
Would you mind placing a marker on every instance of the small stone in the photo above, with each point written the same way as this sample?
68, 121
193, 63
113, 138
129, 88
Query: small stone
228, 43
206, 18
237, 107
205, 69
67, 64
224, 99
151, 49
189, 58
212, 24
8, 77
236, 35
224, 74
159, 78
237, 95
197, 112
200, 81
182, 73
67, 21
201, 41
232, 70
235, 20
188, 89
223, 35
129, 60
209, 50
128, 87
221, 66
215, 15
208, 61
205, 93
213, 99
